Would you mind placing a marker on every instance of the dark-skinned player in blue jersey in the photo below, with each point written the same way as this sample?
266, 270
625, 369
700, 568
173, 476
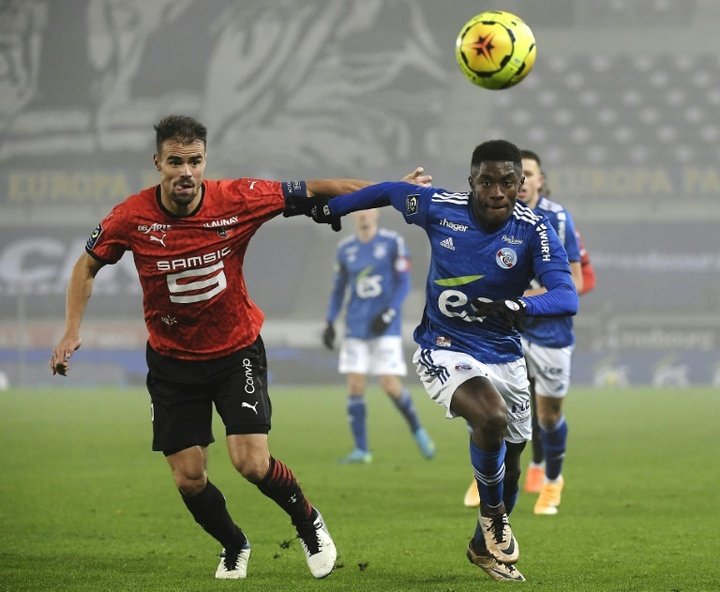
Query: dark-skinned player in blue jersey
486, 247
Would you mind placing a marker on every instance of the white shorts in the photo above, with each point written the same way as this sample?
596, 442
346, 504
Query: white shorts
442, 372
381, 356
549, 367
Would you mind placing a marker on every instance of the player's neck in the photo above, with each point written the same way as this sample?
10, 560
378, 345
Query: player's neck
532, 202
366, 234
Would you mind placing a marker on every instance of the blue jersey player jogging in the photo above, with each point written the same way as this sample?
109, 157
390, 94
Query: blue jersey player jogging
377, 272
373, 269
556, 331
486, 247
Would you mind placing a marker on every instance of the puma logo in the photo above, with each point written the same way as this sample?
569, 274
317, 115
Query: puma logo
253, 407
157, 239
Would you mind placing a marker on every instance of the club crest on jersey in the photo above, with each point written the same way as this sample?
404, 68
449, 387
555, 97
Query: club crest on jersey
380, 251
92, 241
411, 204
506, 258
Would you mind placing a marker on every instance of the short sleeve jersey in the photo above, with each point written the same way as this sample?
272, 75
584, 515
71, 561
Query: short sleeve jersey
468, 262
195, 301
555, 331
371, 269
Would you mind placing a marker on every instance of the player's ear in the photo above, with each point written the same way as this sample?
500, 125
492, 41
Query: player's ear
156, 161
470, 181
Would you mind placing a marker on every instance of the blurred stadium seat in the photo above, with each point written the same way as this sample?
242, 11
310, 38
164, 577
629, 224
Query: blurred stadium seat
608, 110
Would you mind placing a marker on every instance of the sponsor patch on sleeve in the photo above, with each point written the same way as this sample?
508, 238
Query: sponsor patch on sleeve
294, 189
92, 241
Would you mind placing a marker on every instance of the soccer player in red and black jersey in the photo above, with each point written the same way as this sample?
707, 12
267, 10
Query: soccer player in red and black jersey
188, 237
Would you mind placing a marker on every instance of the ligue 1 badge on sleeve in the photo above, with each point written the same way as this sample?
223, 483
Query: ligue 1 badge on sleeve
411, 204
94, 237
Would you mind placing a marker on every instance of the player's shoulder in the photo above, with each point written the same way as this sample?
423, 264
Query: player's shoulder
140, 204
548, 205
243, 186
387, 234
524, 215
343, 243
444, 197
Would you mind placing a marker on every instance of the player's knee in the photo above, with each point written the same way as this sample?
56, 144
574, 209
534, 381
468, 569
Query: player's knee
252, 467
548, 421
190, 484
490, 422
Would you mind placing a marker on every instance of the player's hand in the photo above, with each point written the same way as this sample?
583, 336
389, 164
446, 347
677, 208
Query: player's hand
509, 312
382, 321
320, 213
418, 177
60, 359
297, 205
328, 336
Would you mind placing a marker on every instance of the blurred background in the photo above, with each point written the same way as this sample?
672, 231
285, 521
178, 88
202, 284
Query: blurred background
623, 106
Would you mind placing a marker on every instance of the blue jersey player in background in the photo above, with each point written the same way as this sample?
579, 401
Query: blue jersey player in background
548, 345
486, 247
373, 269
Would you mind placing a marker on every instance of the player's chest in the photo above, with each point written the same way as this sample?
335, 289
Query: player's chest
359, 258
462, 248
181, 245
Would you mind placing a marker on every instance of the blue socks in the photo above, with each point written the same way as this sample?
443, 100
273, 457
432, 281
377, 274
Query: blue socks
489, 469
405, 406
357, 414
554, 443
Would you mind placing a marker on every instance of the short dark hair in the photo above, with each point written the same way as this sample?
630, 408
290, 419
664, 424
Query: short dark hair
182, 128
496, 151
530, 155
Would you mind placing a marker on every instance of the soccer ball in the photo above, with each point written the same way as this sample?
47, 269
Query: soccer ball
495, 49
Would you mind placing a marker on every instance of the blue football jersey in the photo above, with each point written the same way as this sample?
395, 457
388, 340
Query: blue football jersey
376, 275
555, 331
468, 262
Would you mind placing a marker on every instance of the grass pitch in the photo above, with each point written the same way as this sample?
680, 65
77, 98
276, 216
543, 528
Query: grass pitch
85, 505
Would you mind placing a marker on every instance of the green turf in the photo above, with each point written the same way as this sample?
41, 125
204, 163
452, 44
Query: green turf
85, 506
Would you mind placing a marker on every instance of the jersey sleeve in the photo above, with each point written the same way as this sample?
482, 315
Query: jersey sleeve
261, 199
412, 201
401, 270
569, 237
337, 294
548, 252
109, 240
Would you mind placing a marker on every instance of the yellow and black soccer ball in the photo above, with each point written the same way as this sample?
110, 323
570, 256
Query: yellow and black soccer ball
495, 49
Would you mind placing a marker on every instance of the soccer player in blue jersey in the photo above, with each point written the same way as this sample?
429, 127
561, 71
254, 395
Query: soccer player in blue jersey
486, 247
373, 266
548, 345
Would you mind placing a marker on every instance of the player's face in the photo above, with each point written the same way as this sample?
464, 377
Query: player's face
366, 220
181, 167
530, 191
495, 187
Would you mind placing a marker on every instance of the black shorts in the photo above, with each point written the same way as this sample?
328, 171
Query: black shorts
182, 394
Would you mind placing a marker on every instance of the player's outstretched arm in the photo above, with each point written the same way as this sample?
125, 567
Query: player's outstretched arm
78, 292
372, 196
335, 187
